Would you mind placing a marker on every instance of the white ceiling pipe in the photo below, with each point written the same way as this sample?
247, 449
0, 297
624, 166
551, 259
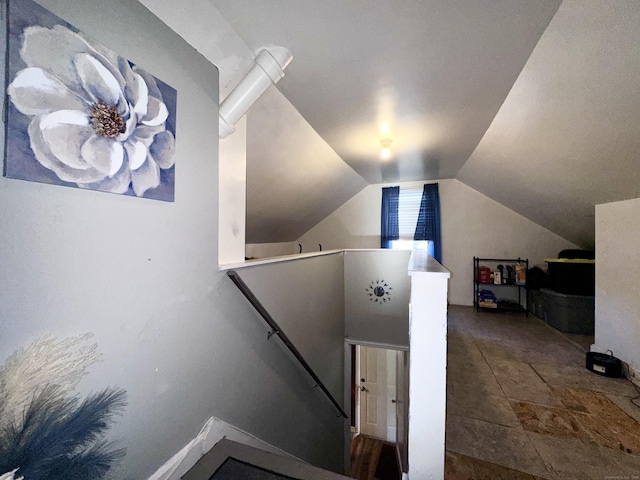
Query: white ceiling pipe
269, 69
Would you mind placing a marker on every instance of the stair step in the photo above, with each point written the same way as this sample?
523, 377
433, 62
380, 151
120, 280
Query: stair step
230, 460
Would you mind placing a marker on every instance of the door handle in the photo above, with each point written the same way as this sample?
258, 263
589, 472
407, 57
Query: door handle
363, 388
394, 401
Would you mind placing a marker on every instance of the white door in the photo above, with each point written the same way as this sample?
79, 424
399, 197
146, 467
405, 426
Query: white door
377, 393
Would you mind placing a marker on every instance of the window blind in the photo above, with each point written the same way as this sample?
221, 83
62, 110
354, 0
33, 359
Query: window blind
408, 210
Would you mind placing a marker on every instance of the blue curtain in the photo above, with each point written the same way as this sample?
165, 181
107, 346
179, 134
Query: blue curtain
428, 226
389, 229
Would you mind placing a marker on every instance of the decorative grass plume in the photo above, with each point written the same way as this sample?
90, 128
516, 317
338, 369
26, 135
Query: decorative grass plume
47, 361
46, 432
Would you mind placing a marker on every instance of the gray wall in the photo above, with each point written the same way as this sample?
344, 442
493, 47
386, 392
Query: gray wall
142, 276
377, 322
306, 298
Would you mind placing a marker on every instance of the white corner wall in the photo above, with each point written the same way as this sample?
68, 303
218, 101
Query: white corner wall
232, 183
427, 368
472, 225
617, 316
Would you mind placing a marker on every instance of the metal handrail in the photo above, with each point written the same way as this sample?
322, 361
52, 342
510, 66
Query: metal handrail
276, 330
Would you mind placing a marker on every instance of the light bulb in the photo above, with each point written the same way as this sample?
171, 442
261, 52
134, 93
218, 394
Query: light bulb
385, 144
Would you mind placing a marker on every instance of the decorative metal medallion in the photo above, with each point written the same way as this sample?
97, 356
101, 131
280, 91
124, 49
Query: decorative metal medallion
379, 291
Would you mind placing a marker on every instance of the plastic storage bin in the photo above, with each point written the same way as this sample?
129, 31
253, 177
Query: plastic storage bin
572, 276
569, 313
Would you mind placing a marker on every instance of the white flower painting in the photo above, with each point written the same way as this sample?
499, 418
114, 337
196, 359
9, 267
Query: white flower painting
81, 115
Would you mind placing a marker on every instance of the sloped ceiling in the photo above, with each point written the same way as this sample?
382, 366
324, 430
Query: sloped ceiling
294, 179
434, 71
542, 106
568, 135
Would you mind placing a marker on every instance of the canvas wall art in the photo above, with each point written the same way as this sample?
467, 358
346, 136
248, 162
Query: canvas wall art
80, 115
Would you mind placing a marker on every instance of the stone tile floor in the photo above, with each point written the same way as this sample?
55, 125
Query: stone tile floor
522, 405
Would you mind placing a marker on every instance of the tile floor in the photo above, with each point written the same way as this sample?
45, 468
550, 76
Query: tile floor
522, 405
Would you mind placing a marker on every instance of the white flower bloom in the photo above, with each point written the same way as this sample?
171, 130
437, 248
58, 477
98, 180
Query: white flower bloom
95, 121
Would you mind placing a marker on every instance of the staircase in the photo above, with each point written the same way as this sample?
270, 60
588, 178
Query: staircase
231, 460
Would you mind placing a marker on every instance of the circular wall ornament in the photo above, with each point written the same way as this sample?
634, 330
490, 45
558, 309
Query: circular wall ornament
379, 291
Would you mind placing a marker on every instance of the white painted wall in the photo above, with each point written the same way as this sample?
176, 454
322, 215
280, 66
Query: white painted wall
367, 321
427, 368
617, 315
472, 224
142, 276
232, 202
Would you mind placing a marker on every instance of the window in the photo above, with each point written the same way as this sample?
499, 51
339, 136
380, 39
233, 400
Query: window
408, 210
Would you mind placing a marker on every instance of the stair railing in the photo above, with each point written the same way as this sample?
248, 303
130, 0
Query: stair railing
277, 331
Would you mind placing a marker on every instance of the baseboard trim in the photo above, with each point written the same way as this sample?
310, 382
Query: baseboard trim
633, 374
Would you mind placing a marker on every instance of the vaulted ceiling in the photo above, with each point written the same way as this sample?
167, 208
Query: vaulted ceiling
535, 104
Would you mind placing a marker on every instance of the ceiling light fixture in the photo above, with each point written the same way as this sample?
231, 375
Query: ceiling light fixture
385, 143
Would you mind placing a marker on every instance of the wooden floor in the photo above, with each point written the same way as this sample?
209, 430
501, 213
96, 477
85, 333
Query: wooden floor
365, 454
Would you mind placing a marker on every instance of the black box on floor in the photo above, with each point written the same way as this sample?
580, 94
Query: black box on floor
604, 364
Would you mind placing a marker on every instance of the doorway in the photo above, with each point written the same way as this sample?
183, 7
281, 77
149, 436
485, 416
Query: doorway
376, 389
379, 391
